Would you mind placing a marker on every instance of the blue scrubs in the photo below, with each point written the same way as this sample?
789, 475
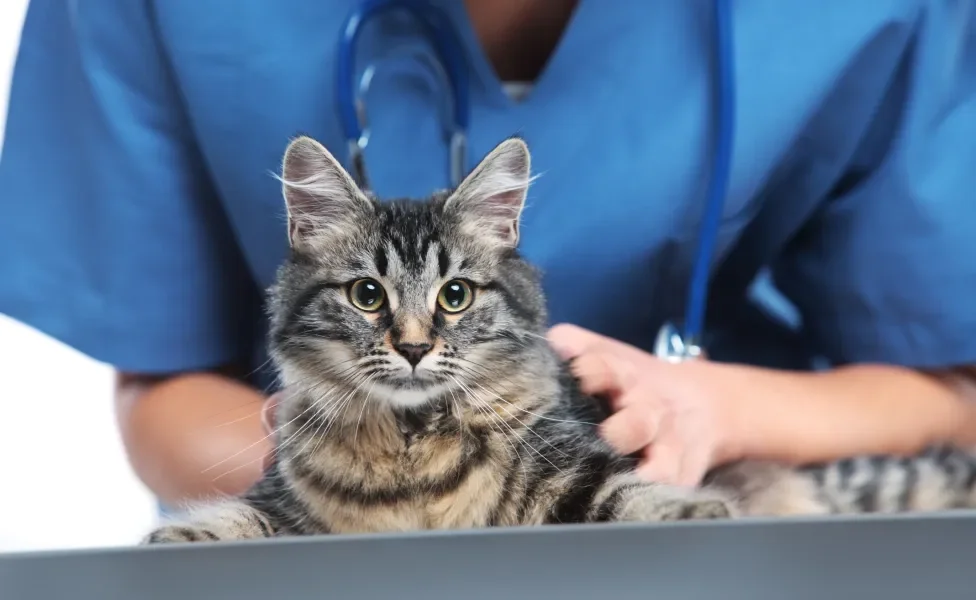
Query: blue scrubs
139, 221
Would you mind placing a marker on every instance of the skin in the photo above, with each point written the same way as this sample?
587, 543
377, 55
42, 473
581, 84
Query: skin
687, 418
183, 432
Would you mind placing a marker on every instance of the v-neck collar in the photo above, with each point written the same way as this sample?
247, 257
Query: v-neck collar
484, 74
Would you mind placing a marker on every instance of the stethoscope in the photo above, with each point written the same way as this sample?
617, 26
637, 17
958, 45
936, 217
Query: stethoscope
449, 69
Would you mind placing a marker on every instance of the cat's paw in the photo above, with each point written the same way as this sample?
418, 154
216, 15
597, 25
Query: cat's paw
706, 508
659, 505
180, 534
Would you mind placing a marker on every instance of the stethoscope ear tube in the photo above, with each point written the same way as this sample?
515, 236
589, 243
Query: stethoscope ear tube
450, 55
672, 345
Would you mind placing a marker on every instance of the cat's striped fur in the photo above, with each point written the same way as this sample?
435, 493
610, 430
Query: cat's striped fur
489, 428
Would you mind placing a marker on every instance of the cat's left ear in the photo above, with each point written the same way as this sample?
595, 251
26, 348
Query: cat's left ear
489, 201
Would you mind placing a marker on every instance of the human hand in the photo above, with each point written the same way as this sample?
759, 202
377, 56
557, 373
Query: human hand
678, 416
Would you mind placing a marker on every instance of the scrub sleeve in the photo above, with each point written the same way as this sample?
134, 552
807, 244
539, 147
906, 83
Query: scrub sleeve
886, 270
112, 239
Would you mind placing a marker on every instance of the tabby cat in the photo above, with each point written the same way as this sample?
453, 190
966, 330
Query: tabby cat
422, 394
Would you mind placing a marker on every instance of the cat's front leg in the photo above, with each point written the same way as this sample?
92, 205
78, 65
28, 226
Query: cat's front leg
226, 521
628, 498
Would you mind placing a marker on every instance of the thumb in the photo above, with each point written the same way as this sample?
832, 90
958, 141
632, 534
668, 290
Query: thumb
570, 341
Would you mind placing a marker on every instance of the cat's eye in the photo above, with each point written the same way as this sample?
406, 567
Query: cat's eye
455, 296
367, 295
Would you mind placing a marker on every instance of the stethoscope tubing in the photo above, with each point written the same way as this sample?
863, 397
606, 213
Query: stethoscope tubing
720, 174
671, 344
450, 53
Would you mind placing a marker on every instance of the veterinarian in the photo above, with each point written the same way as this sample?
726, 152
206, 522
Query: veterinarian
140, 223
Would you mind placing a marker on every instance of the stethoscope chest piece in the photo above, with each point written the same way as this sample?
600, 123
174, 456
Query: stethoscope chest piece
671, 346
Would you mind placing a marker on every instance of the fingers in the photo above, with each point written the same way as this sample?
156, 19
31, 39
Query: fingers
570, 341
643, 391
674, 459
662, 463
630, 429
601, 374
694, 465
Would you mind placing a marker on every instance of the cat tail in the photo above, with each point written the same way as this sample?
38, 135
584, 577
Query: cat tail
937, 479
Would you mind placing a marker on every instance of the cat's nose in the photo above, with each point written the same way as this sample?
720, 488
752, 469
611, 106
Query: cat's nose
413, 352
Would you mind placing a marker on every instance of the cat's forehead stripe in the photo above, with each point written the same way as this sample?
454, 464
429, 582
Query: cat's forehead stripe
443, 261
394, 259
381, 261
411, 231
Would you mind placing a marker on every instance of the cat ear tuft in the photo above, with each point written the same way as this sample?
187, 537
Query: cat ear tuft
489, 201
320, 195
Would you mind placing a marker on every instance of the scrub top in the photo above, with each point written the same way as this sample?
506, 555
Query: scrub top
140, 221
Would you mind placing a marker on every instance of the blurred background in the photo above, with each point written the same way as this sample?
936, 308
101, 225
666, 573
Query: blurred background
77, 490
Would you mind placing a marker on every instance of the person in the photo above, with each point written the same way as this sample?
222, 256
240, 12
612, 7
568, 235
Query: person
140, 221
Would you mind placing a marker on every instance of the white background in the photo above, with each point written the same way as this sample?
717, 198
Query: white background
64, 478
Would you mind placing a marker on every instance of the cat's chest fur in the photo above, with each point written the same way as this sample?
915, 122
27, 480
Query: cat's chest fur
403, 471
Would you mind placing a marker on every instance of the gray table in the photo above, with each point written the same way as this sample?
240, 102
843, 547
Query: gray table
916, 558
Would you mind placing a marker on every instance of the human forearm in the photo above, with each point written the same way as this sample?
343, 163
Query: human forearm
863, 409
688, 417
192, 435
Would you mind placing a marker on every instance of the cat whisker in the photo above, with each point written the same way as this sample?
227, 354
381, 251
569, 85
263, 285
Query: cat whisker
363, 409
312, 405
498, 396
264, 438
323, 416
318, 417
201, 429
237, 468
337, 374
485, 408
525, 410
293, 436
534, 335
527, 427
316, 403
327, 416
475, 398
239, 419
333, 418
458, 415
493, 418
249, 415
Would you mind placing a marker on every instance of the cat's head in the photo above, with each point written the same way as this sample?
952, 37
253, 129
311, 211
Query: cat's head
406, 300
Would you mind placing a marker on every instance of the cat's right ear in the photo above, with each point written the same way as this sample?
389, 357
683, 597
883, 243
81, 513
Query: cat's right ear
320, 195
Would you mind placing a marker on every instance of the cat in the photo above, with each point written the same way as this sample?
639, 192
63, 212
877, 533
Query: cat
421, 392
